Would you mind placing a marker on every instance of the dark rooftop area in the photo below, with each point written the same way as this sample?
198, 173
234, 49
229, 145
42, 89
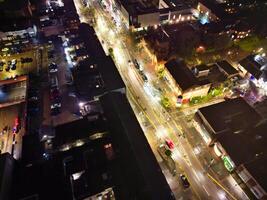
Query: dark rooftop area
239, 147
101, 72
257, 169
227, 67
181, 74
92, 44
251, 66
13, 4
232, 114
6, 175
79, 129
110, 74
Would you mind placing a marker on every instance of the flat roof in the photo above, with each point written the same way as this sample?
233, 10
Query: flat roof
240, 147
110, 74
102, 72
13, 4
75, 41
79, 129
13, 91
91, 41
215, 8
203, 67
176, 4
257, 169
253, 67
135, 7
181, 74
234, 114
139, 167
227, 67
6, 175
215, 75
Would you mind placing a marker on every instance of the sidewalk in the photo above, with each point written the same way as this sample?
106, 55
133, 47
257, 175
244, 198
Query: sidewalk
214, 165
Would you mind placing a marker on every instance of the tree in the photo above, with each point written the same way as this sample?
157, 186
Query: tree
168, 152
111, 52
185, 42
88, 11
161, 73
165, 102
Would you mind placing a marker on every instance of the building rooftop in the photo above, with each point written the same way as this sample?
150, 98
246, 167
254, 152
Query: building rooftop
215, 8
75, 41
91, 41
110, 74
240, 147
13, 91
181, 74
138, 162
6, 175
227, 68
13, 4
78, 130
235, 114
257, 169
252, 65
202, 67
135, 7
94, 77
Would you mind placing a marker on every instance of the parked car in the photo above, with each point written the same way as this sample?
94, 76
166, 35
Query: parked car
2, 65
13, 67
8, 66
53, 68
55, 109
17, 125
54, 94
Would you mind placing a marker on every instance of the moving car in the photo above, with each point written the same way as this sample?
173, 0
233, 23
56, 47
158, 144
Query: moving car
185, 181
169, 143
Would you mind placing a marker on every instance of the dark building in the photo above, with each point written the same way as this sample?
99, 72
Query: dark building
234, 115
254, 176
93, 78
7, 165
138, 168
92, 44
182, 78
92, 158
254, 66
15, 9
226, 68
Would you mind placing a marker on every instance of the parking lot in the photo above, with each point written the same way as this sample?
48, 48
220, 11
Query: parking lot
24, 63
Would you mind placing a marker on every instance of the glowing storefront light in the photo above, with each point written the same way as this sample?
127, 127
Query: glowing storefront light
217, 150
228, 163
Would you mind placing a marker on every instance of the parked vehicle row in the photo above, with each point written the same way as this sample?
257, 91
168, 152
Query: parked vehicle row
55, 97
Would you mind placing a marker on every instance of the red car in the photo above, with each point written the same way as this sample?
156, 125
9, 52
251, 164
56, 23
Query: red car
169, 143
54, 94
16, 125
